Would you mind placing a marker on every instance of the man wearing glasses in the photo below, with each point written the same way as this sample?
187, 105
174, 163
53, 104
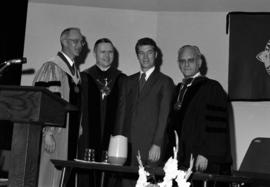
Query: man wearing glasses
61, 76
200, 117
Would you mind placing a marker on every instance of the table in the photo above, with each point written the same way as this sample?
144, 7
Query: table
67, 166
258, 179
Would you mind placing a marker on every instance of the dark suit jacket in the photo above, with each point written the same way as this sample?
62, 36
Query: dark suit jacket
142, 117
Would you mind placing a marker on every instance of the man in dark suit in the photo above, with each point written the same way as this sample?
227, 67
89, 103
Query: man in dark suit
144, 106
200, 116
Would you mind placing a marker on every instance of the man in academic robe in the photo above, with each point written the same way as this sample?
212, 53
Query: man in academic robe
100, 88
200, 117
60, 76
144, 107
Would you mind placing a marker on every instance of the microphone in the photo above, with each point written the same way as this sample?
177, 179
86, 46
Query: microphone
16, 61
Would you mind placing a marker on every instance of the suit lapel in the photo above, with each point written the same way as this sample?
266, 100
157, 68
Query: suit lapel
149, 83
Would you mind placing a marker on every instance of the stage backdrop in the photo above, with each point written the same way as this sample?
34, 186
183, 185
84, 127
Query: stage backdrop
13, 22
248, 35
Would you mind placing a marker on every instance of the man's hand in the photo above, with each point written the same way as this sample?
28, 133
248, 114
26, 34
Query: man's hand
201, 163
80, 130
154, 153
49, 143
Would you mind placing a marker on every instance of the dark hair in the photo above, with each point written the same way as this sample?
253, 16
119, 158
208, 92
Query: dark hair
103, 40
145, 41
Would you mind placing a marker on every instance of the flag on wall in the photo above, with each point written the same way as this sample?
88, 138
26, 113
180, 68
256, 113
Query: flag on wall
249, 34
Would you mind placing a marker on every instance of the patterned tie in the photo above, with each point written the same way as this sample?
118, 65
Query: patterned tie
181, 94
73, 69
142, 81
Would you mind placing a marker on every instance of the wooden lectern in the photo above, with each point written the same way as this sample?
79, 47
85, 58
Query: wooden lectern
30, 108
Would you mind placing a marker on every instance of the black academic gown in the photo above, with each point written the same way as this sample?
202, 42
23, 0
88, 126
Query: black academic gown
98, 114
202, 123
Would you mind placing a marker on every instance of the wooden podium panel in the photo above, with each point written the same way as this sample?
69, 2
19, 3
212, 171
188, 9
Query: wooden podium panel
32, 105
30, 108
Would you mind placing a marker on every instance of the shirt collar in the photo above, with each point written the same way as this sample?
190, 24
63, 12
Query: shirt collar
192, 78
103, 69
196, 75
148, 72
70, 61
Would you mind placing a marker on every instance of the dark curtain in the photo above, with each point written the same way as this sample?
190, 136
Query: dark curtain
13, 23
248, 35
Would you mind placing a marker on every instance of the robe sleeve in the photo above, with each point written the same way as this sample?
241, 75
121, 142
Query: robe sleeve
213, 140
49, 76
164, 110
121, 111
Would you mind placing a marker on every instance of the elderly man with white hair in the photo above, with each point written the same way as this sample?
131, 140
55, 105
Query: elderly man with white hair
200, 117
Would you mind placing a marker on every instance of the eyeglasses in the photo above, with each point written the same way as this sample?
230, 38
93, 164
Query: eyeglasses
190, 61
77, 41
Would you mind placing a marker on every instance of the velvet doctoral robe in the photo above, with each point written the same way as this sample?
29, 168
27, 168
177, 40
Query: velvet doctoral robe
202, 122
99, 108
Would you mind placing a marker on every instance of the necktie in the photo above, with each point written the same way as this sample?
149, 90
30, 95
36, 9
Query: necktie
182, 91
187, 81
142, 81
73, 69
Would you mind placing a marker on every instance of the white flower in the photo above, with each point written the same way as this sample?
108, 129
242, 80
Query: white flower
142, 180
171, 172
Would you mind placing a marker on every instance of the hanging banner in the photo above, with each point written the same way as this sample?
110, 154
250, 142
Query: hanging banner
249, 56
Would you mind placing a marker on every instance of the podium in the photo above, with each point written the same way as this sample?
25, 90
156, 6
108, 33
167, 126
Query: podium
30, 108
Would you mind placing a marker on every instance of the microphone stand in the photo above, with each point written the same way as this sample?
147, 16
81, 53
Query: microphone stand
3, 68
6, 64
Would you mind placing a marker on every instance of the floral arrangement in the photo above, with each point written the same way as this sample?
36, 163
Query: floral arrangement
172, 173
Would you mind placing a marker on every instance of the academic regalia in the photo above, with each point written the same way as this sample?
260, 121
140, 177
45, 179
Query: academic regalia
201, 121
59, 77
100, 98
